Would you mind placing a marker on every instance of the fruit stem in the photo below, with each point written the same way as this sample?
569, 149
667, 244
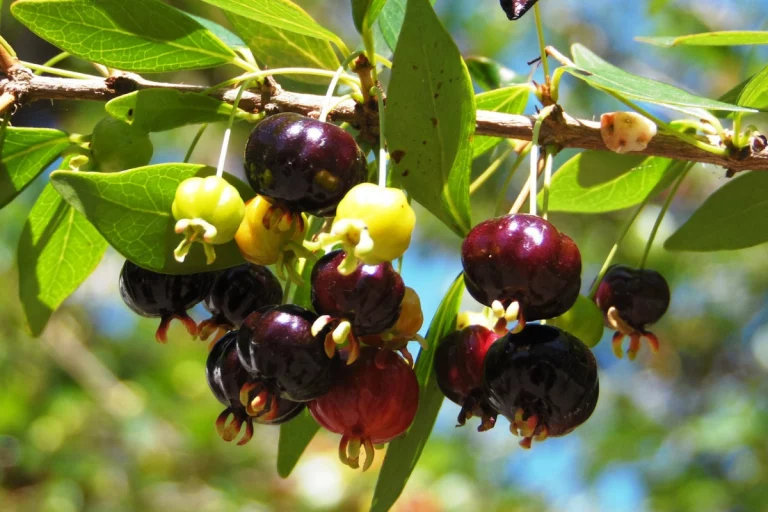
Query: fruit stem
663, 212
60, 72
533, 179
515, 166
550, 151
615, 248
334, 82
382, 141
542, 43
228, 131
192, 146
490, 171
53, 61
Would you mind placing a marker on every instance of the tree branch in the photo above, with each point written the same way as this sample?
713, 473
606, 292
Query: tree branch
559, 129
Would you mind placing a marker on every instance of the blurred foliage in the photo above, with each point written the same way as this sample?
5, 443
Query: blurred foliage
96, 416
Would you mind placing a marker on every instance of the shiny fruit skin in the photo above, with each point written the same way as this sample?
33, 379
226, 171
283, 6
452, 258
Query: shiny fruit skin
387, 215
545, 372
369, 298
522, 258
117, 146
302, 164
275, 344
260, 242
241, 290
459, 363
152, 294
641, 296
369, 401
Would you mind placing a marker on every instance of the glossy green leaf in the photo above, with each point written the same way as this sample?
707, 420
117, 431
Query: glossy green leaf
365, 12
26, 152
58, 250
280, 14
724, 38
598, 181
510, 100
754, 93
489, 74
275, 47
391, 21
295, 436
137, 35
734, 217
607, 77
224, 34
404, 452
132, 210
431, 118
155, 110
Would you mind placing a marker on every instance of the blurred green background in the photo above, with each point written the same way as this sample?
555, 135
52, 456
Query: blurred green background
96, 416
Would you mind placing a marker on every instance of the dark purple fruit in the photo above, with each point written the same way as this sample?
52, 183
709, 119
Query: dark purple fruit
236, 293
152, 295
459, 370
631, 299
276, 346
302, 164
524, 259
543, 380
226, 378
515, 9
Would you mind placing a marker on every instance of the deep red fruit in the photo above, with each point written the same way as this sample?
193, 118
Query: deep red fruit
524, 259
631, 299
543, 380
515, 9
459, 370
226, 377
372, 401
302, 164
151, 294
276, 346
238, 292
369, 298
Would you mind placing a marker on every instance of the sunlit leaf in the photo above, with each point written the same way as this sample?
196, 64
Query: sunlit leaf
510, 100
724, 38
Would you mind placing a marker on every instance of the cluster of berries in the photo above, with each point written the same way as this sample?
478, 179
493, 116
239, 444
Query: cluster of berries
347, 360
540, 377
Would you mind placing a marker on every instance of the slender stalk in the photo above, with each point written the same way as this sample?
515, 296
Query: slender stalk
59, 72
533, 179
490, 171
192, 146
663, 212
334, 83
349, 80
515, 166
737, 131
53, 61
668, 129
228, 132
547, 180
382, 140
542, 43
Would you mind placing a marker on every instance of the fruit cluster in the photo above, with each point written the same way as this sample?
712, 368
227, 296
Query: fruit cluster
542, 378
347, 360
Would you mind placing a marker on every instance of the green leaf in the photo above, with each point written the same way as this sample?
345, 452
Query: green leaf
489, 74
607, 77
365, 12
57, 251
404, 452
145, 36
734, 217
724, 38
510, 100
155, 110
275, 48
132, 210
224, 34
26, 152
280, 14
294, 438
599, 181
391, 21
431, 118
754, 94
